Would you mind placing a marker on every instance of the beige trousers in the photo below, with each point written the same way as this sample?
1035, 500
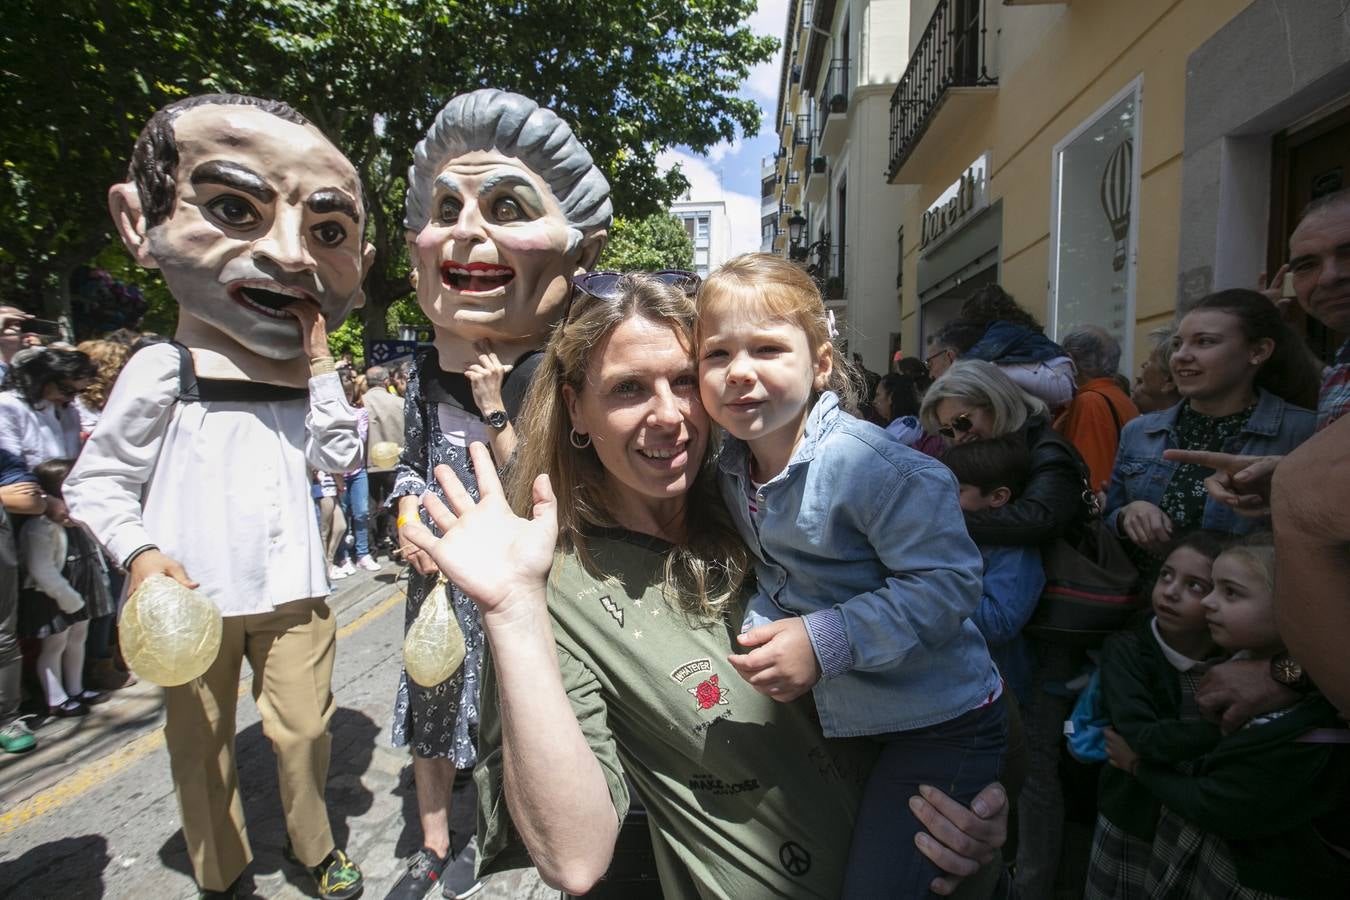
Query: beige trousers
290, 650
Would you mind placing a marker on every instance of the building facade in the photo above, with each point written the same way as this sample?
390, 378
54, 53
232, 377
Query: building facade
709, 230
840, 67
1108, 163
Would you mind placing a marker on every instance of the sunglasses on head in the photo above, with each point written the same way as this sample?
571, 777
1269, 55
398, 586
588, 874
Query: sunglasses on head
605, 285
959, 425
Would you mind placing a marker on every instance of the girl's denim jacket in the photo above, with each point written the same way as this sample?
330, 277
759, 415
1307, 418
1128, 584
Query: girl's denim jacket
1141, 473
863, 538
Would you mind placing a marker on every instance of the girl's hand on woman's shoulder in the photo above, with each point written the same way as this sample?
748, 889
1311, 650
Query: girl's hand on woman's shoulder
497, 558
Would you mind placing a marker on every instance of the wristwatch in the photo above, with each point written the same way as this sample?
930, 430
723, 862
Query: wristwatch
496, 419
1287, 671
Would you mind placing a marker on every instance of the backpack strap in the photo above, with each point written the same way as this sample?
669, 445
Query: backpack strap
1112, 407
188, 391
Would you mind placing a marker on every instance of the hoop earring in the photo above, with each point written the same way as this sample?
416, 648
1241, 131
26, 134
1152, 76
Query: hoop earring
583, 443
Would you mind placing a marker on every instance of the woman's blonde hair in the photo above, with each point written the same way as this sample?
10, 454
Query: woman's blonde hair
109, 357
705, 570
780, 290
980, 383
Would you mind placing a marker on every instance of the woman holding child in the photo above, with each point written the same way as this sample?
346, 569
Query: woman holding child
616, 659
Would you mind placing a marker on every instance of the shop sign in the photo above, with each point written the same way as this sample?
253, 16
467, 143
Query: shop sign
959, 203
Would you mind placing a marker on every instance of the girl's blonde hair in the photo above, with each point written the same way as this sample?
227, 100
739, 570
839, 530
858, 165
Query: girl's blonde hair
780, 290
109, 357
1258, 550
704, 571
979, 383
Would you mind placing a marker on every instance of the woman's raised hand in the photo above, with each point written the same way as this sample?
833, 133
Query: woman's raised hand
495, 557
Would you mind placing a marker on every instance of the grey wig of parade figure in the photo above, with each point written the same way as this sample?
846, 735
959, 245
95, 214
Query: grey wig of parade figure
516, 126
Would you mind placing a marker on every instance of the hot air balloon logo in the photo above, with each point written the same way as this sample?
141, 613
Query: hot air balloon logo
1117, 183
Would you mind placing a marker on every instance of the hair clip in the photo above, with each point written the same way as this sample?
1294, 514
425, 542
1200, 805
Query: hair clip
830, 328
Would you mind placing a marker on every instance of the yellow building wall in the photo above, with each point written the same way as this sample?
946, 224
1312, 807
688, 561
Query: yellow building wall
1058, 65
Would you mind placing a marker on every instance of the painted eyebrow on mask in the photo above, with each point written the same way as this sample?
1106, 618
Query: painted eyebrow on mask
233, 175
522, 187
332, 200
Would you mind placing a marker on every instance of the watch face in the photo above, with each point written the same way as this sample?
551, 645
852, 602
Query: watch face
1287, 671
497, 419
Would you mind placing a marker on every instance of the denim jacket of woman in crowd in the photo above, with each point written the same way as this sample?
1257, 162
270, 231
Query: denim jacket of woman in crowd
863, 538
1141, 473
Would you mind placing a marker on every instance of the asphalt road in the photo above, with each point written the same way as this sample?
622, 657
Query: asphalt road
91, 812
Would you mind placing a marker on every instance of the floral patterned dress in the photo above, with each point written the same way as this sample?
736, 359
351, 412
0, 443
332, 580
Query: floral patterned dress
440, 420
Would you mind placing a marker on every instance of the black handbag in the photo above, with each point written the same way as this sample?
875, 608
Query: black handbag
1091, 585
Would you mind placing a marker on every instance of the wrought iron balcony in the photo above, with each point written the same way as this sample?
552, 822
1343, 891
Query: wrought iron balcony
953, 53
801, 132
833, 98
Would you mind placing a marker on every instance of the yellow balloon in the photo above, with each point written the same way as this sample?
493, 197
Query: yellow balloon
169, 634
434, 646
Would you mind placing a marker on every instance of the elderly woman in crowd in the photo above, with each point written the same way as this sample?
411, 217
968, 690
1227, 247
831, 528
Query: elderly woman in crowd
1100, 409
38, 419
1154, 389
977, 400
1247, 385
608, 658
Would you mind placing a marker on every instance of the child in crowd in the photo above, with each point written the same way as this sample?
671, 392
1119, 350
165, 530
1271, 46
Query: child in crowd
991, 473
50, 607
1238, 820
867, 578
1148, 681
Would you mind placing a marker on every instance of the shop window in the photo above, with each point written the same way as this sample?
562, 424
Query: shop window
1094, 221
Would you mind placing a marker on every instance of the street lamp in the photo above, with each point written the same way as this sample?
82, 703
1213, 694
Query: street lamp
796, 229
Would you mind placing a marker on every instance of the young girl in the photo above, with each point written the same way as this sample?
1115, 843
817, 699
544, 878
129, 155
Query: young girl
867, 577
1238, 820
51, 608
1148, 681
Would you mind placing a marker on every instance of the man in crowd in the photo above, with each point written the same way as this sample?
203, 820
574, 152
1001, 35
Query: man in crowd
1093, 419
200, 467
385, 409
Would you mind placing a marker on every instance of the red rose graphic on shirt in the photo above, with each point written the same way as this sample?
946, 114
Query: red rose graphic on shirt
709, 693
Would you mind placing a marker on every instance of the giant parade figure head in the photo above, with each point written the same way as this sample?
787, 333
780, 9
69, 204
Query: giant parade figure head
504, 208
255, 220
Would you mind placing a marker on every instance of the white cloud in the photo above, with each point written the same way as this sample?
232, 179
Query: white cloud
705, 184
721, 151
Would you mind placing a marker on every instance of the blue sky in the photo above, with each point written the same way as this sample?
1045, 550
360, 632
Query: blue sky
731, 170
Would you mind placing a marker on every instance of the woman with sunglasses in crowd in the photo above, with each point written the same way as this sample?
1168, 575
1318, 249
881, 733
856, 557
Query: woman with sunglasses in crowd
975, 400
38, 418
609, 658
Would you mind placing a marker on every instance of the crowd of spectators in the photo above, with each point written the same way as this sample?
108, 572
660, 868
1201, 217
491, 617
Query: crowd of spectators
59, 591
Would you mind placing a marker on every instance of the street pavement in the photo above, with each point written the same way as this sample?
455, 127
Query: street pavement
91, 812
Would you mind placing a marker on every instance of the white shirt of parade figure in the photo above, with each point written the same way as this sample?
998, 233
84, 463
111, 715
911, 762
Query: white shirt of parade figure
260, 253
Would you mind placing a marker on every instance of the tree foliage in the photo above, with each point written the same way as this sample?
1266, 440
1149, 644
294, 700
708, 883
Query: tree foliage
649, 244
633, 77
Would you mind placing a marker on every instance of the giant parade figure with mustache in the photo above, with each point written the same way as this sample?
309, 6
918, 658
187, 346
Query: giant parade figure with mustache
199, 469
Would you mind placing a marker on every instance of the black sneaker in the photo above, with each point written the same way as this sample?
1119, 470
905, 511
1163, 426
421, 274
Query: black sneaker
459, 880
336, 878
424, 870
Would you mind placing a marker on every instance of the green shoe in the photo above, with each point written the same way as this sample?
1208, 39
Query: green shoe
337, 877
16, 738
